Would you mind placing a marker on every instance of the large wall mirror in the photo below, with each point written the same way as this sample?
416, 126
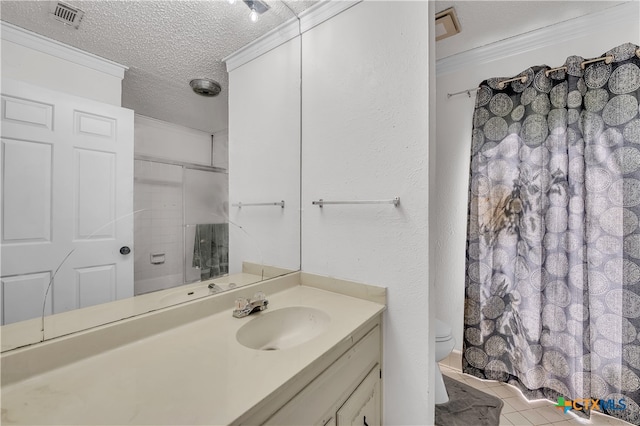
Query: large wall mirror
224, 215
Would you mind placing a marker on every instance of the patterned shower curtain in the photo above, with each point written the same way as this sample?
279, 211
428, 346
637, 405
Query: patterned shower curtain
552, 302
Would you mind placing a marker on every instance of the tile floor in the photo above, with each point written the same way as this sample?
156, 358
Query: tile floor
518, 411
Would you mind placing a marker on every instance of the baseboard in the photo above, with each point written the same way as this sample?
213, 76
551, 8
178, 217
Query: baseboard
454, 360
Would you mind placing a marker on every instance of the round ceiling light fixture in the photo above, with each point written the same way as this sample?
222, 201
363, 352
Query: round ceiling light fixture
205, 87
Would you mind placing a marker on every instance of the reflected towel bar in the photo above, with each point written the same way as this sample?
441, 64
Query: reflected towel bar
321, 202
240, 205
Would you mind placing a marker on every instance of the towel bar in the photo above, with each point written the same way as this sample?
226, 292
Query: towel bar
321, 202
240, 205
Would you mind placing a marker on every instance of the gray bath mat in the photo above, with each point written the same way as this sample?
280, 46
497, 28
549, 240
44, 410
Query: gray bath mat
467, 406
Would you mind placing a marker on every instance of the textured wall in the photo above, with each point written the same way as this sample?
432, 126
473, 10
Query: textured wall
365, 136
264, 159
454, 119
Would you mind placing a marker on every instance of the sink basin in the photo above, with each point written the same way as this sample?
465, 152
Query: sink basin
283, 328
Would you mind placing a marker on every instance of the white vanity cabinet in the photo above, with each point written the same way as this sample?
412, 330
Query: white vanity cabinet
344, 394
363, 406
189, 367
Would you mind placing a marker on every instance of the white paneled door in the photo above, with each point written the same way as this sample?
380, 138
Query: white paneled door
67, 202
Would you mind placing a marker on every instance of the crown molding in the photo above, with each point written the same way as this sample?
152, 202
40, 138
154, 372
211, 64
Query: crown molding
26, 38
262, 45
315, 15
624, 14
323, 11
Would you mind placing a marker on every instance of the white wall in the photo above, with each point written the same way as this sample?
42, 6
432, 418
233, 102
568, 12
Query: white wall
169, 141
221, 149
454, 125
264, 159
365, 136
35, 67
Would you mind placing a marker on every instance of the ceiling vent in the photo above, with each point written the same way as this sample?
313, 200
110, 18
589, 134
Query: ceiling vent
67, 14
446, 24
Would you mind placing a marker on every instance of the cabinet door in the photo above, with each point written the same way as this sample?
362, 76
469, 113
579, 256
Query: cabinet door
318, 402
363, 406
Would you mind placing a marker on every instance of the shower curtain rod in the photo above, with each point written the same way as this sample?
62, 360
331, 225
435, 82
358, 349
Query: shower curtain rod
607, 60
186, 165
468, 92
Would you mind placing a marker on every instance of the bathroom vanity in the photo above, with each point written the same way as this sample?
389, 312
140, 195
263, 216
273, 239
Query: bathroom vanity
188, 364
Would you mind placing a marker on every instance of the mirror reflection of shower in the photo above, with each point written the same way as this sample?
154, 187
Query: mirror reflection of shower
182, 236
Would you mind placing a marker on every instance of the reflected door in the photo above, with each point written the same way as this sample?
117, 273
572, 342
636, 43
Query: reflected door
67, 202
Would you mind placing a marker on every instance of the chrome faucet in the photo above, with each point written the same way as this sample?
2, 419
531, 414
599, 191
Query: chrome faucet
247, 306
214, 288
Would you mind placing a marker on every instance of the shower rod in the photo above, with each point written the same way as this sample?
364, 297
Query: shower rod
278, 203
607, 60
321, 202
468, 92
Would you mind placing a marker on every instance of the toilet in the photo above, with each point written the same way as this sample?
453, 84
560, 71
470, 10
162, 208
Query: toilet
444, 345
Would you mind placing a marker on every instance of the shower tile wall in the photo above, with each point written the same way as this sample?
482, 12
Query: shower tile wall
158, 226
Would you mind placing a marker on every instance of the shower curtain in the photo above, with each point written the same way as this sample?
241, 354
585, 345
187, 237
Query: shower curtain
552, 286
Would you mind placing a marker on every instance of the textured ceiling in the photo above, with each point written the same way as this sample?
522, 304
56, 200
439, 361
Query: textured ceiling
165, 44
484, 22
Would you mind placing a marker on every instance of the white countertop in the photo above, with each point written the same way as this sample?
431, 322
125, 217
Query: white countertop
196, 373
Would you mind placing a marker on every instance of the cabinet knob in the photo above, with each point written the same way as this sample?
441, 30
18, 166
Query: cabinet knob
125, 250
